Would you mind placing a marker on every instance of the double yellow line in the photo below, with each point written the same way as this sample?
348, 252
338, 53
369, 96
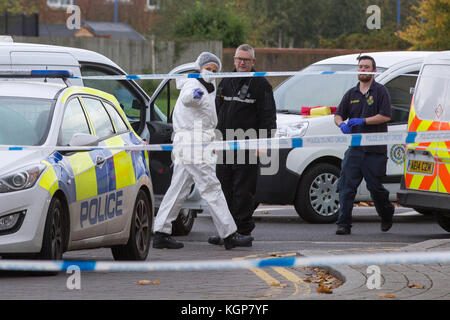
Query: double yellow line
276, 287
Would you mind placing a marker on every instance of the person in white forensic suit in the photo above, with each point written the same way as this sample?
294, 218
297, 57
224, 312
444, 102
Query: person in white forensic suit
194, 123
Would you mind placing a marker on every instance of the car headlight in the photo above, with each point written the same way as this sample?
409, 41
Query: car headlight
21, 179
293, 130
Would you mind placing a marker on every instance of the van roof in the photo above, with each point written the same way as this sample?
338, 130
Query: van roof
21, 88
438, 58
78, 54
383, 59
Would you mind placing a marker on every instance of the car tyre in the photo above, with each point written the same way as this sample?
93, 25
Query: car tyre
182, 226
138, 244
443, 220
54, 236
317, 199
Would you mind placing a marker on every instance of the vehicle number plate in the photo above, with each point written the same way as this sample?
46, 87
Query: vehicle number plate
421, 166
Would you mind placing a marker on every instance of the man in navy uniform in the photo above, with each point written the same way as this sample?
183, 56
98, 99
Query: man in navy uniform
368, 108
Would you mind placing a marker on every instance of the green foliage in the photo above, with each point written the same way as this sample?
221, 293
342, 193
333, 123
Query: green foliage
18, 6
429, 29
203, 20
384, 39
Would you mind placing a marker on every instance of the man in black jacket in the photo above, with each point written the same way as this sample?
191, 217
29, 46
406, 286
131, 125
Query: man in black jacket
246, 105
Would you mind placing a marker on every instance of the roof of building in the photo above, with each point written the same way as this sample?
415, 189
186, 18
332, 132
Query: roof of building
114, 30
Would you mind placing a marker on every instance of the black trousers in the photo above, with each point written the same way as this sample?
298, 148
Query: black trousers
357, 165
239, 187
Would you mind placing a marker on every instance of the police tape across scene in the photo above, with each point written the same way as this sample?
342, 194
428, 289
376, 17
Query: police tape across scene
223, 75
353, 140
313, 261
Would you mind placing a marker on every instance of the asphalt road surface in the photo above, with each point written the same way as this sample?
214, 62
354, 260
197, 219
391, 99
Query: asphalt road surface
279, 232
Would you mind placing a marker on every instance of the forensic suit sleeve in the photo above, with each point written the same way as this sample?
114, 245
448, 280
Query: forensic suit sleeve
187, 96
267, 114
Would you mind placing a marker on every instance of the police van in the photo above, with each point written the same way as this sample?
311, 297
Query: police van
426, 181
142, 111
307, 177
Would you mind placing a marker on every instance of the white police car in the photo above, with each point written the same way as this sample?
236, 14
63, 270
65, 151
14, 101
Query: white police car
54, 201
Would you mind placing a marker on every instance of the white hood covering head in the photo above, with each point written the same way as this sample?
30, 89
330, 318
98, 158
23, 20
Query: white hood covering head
207, 57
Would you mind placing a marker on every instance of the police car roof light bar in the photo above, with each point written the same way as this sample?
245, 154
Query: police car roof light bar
60, 74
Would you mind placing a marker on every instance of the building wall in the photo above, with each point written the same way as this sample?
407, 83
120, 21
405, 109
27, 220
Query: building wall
135, 13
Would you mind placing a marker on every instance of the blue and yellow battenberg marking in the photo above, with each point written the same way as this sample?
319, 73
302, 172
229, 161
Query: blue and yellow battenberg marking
79, 176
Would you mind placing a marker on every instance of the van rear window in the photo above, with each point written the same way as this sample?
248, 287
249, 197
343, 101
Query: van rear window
432, 97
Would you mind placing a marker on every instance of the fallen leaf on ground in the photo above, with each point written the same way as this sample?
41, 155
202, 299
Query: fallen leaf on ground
324, 289
387, 295
146, 282
277, 284
416, 286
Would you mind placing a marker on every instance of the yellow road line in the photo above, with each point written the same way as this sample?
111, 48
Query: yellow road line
296, 280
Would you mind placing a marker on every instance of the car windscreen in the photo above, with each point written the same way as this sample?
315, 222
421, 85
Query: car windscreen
431, 99
311, 90
24, 121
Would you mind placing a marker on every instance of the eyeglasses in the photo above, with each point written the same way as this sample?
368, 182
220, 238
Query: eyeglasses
246, 60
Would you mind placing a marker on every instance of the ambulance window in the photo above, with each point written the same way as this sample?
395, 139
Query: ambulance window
433, 93
399, 90
74, 121
116, 118
99, 117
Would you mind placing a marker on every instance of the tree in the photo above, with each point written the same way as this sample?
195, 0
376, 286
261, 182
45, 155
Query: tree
18, 6
203, 20
430, 28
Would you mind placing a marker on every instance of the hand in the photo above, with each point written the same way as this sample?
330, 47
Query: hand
355, 122
198, 93
345, 128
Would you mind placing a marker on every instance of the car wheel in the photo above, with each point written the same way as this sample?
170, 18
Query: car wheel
138, 243
53, 240
317, 199
184, 222
443, 220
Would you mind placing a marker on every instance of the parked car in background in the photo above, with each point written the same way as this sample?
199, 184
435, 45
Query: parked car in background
307, 177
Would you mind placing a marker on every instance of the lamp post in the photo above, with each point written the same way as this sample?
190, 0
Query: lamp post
398, 13
116, 11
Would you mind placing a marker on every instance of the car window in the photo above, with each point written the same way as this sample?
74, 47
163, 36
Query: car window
116, 118
400, 92
311, 90
130, 102
433, 93
24, 121
99, 118
74, 121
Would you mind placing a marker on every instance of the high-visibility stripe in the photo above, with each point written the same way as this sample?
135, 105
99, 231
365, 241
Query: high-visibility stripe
123, 163
49, 180
85, 176
444, 178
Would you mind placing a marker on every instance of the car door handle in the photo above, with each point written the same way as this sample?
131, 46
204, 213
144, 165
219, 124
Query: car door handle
100, 161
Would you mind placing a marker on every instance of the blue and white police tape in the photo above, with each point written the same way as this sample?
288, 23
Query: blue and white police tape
224, 75
353, 140
313, 261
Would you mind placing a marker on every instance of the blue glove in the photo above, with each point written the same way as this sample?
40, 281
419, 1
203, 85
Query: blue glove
355, 122
345, 128
198, 93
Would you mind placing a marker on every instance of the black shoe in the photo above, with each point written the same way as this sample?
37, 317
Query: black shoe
343, 230
216, 240
386, 224
162, 240
237, 240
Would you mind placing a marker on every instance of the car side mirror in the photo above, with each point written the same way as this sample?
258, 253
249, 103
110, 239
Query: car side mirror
83, 139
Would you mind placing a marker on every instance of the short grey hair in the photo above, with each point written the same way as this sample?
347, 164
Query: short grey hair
248, 48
